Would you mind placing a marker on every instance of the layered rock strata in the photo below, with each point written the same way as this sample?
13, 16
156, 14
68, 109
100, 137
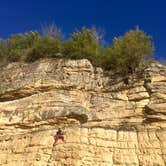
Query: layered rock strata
107, 122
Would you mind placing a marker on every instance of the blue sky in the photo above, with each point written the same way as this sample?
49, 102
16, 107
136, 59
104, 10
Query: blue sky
114, 16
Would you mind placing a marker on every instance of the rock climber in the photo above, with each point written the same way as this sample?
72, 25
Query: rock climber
59, 135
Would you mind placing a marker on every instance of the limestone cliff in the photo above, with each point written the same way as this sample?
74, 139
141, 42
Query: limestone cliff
106, 122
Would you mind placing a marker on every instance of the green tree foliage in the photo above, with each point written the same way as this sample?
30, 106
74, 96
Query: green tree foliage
45, 47
14, 48
82, 44
125, 55
129, 52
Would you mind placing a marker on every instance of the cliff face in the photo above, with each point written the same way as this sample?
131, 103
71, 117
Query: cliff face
106, 122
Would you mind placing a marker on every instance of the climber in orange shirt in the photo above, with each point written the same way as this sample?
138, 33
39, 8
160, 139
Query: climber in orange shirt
59, 135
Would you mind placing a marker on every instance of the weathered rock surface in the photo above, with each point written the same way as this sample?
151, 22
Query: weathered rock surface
106, 122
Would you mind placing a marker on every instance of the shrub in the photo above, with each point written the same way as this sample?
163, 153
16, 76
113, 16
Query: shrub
46, 47
22, 41
129, 52
14, 48
82, 44
126, 55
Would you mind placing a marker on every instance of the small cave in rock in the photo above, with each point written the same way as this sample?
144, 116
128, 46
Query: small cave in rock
82, 118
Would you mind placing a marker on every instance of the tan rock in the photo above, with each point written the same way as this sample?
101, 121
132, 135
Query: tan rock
124, 125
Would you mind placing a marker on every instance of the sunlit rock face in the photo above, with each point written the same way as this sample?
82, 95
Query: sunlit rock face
106, 121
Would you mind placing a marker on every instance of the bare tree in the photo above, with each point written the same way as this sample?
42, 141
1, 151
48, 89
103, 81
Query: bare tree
98, 33
51, 31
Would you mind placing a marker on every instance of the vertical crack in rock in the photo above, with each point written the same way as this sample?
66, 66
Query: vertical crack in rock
161, 146
149, 91
137, 148
50, 158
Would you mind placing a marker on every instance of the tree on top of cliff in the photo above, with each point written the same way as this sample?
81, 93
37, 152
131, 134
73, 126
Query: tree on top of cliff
82, 44
51, 31
14, 48
128, 52
125, 55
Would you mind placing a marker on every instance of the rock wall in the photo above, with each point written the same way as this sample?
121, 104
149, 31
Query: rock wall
106, 122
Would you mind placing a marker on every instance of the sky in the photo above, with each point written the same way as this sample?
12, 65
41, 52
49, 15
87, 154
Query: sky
115, 17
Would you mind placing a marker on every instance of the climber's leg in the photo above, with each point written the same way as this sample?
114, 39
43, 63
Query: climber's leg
61, 137
55, 140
